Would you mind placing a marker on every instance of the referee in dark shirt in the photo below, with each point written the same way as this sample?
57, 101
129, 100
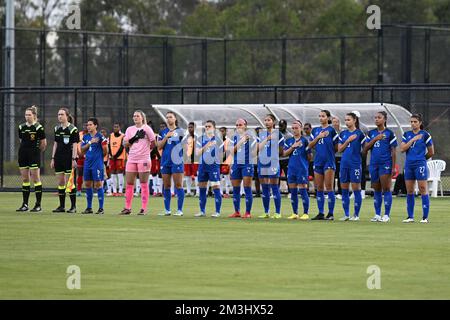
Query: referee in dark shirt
64, 157
32, 143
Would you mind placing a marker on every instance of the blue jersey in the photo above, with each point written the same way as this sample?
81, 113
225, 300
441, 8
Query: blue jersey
416, 153
325, 152
243, 155
380, 153
172, 153
210, 158
270, 152
351, 157
298, 160
94, 155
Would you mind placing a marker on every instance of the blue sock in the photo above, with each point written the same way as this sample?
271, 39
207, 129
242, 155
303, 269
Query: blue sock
425, 206
202, 200
237, 199
294, 200
346, 202
248, 199
276, 197
89, 196
180, 196
410, 205
358, 201
218, 199
387, 202
266, 197
320, 201
305, 200
331, 202
377, 200
167, 196
101, 197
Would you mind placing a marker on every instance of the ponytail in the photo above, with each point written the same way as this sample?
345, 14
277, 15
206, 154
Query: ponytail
69, 116
384, 114
355, 117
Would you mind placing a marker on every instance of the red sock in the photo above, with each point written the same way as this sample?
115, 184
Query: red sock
79, 183
129, 196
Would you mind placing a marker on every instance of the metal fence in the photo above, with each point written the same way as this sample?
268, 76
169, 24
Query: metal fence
116, 104
394, 54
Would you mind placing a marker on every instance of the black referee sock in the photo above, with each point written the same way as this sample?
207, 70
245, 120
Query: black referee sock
25, 192
38, 192
73, 197
62, 196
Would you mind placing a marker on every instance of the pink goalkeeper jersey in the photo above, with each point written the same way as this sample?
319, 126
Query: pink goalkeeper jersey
140, 150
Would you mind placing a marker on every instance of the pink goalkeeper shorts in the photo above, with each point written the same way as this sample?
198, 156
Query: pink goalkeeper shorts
138, 166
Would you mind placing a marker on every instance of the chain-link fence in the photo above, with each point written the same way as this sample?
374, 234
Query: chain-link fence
117, 103
394, 54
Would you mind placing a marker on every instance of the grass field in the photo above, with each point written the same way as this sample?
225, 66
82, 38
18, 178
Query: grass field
152, 257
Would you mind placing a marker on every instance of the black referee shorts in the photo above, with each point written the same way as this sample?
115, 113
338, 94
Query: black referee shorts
29, 158
63, 164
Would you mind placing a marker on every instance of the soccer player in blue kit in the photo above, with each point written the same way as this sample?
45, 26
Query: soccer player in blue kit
171, 141
270, 146
95, 148
382, 144
296, 148
244, 148
208, 147
351, 143
325, 141
418, 146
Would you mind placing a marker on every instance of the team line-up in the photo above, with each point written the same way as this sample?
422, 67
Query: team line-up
245, 152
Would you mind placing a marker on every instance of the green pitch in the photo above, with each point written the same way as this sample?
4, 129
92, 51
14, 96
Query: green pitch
152, 257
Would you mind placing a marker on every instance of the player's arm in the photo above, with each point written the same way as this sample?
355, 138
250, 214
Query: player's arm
42, 139
119, 152
312, 143
52, 163
404, 146
162, 142
394, 157
105, 148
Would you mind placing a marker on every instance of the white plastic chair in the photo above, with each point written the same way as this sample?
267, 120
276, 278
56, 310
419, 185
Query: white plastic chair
435, 167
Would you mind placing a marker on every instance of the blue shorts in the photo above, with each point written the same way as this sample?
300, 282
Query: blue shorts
238, 171
352, 175
210, 174
90, 174
378, 170
321, 168
174, 168
269, 172
297, 177
416, 171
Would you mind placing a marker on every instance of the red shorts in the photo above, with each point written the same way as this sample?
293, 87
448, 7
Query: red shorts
224, 169
138, 166
156, 166
80, 162
191, 169
117, 165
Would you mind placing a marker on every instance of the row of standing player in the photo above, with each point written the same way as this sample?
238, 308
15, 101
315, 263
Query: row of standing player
140, 140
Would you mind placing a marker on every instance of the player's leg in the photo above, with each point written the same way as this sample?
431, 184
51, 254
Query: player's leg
410, 185
88, 185
385, 186
167, 183
214, 178
98, 185
265, 186
131, 173
423, 189
294, 196
177, 178
144, 175
305, 197
202, 185
275, 186
120, 175
328, 182
319, 182
35, 174
344, 174
60, 177
25, 176
236, 179
247, 178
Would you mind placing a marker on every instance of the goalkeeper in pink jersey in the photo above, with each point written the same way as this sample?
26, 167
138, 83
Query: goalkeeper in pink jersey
140, 140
